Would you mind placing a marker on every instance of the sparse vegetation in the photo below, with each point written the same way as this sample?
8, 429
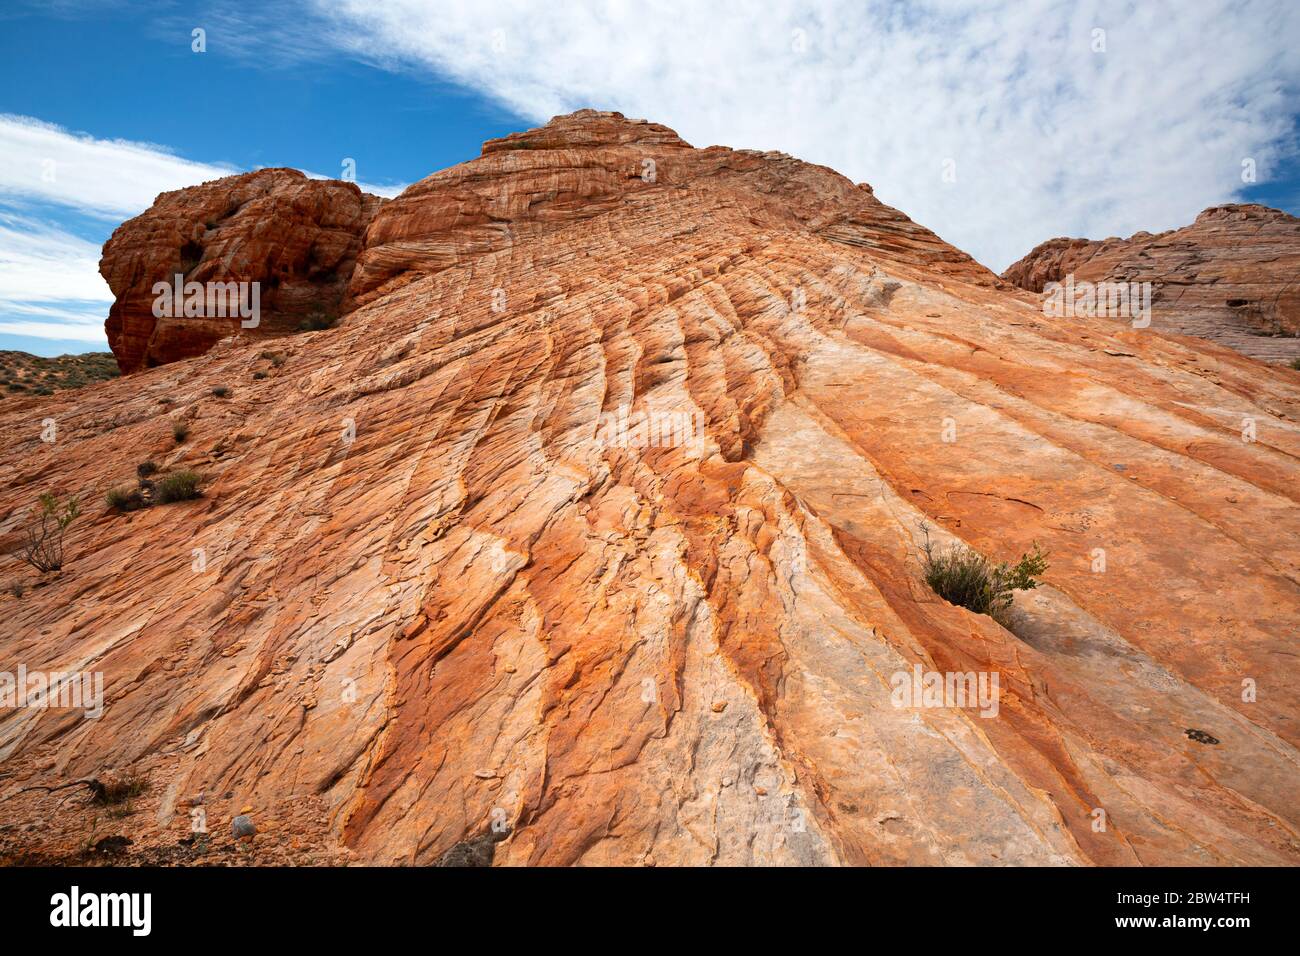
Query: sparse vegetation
17, 588
117, 790
221, 391
179, 486
39, 375
180, 432
1295, 364
146, 468
43, 548
125, 499
966, 578
259, 375
316, 321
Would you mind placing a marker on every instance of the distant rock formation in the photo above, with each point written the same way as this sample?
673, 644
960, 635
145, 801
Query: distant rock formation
592, 535
298, 238
1233, 276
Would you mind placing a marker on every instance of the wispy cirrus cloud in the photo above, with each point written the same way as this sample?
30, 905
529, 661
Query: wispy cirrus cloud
41, 262
50, 285
1050, 117
112, 178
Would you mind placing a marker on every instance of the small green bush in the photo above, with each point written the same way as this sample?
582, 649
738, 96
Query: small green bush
180, 432
966, 578
221, 391
43, 547
179, 486
146, 468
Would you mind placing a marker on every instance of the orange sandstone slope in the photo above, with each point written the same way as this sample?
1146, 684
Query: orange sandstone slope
438, 590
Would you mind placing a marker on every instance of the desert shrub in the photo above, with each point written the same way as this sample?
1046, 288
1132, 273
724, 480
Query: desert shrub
180, 432
43, 547
124, 499
221, 391
259, 375
17, 588
316, 321
965, 577
179, 486
146, 468
117, 789
1295, 364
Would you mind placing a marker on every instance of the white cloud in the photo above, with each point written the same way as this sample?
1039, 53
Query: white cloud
1049, 137
111, 178
49, 273
50, 285
67, 326
43, 263
388, 192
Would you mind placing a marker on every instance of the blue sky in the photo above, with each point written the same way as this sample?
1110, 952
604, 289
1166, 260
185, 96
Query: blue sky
106, 104
115, 71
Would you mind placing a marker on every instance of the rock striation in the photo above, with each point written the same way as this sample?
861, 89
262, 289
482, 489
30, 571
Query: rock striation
298, 238
591, 535
1233, 276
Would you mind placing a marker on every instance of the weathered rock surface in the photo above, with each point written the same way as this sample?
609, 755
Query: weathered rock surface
432, 590
297, 237
1233, 276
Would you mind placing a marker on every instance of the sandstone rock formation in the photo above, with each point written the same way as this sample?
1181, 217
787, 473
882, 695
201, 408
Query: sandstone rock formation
297, 237
591, 536
1233, 276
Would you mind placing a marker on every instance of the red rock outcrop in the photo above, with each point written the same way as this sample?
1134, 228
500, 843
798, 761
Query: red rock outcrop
597, 522
298, 238
1233, 276
577, 167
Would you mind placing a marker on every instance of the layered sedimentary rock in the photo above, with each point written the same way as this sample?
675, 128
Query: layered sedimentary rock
587, 164
591, 536
1233, 276
297, 238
